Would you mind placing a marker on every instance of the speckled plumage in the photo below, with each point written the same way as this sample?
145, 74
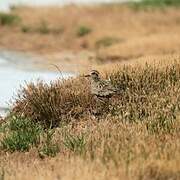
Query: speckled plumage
101, 88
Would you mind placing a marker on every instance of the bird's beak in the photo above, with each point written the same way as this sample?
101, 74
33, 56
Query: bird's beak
87, 75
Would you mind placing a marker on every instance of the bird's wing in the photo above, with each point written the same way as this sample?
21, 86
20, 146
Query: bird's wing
106, 88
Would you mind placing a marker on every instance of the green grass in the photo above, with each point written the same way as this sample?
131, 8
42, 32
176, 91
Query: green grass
20, 134
9, 19
43, 28
49, 150
26, 29
155, 3
49, 147
106, 41
74, 143
83, 31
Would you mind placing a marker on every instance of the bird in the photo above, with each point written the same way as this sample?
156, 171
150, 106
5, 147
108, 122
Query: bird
99, 87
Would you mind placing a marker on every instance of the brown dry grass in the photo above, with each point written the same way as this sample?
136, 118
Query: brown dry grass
140, 88
115, 150
138, 33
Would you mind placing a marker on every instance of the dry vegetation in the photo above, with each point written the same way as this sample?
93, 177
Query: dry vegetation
93, 35
60, 131
112, 150
133, 136
146, 91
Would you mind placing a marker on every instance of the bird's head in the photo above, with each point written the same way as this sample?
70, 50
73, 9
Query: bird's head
94, 74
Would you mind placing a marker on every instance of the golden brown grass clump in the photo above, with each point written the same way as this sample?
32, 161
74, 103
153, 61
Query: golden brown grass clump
146, 92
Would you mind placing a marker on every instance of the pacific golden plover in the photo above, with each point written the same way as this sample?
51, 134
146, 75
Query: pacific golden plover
99, 87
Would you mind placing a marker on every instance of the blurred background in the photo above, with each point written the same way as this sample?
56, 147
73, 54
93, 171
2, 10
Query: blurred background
38, 36
5, 4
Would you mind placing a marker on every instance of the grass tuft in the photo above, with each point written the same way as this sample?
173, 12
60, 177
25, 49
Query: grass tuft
106, 41
20, 134
49, 148
55, 104
43, 28
26, 29
9, 19
76, 144
83, 31
155, 3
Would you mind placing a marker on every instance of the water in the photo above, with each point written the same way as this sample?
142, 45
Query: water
15, 70
5, 4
